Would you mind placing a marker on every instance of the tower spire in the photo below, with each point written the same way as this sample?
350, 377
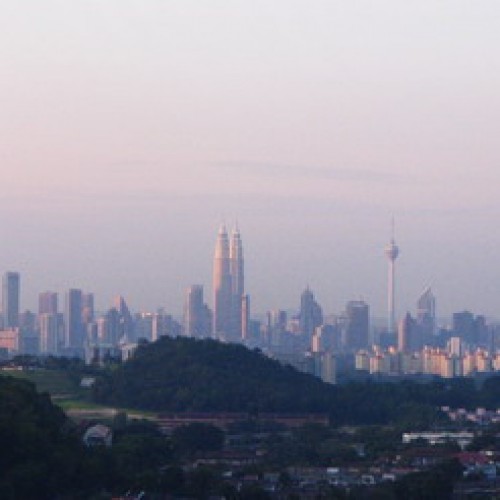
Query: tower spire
391, 252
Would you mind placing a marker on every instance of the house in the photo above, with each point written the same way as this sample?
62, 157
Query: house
98, 435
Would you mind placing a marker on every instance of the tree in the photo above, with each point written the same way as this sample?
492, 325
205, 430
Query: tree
191, 438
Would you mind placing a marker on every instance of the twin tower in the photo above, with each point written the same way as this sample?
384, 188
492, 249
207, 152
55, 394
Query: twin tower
231, 305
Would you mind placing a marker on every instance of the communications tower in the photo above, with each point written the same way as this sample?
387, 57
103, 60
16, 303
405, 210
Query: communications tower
391, 252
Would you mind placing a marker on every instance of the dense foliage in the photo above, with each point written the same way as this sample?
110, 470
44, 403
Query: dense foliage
42, 455
39, 454
183, 374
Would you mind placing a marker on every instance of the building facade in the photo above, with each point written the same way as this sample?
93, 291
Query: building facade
10, 299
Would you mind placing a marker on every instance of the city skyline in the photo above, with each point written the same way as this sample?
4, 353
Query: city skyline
228, 269
133, 130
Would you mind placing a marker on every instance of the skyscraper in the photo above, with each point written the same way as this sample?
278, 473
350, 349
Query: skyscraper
311, 314
392, 252
222, 287
49, 329
426, 313
245, 317
236, 269
10, 299
409, 336
126, 321
231, 306
87, 308
357, 325
465, 327
73, 327
47, 303
196, 314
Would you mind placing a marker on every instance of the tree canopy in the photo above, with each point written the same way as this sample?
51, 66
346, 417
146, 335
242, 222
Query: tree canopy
184, 374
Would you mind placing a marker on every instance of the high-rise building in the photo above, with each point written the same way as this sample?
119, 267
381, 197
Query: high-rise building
143, 326
126, 321
324, 339
49, 329
231, 308
311, 314
391, 252
455, 347
222, 288
161, 322
87, 308
10, 299
196, 316
245, 317
47, 303
73, 327
236, 269
409, 335
30, 343
426, 313
275, 327
465, 327
356, 327
108, 327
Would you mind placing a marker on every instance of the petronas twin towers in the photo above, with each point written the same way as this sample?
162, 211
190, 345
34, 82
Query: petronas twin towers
230, 304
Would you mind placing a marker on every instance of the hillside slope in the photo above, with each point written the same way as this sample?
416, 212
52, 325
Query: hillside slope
184, 374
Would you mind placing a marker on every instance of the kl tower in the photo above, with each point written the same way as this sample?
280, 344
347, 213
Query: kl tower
392, 252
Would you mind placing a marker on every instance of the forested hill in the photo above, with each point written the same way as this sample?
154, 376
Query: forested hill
184, 374
40, 457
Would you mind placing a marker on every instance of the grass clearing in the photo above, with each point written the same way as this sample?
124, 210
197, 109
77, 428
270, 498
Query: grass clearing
66, 393
52, 381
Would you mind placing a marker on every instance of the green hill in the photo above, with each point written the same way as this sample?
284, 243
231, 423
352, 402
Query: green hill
184, 374
39, 454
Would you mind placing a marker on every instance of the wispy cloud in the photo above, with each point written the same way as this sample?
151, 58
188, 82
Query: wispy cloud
343, 174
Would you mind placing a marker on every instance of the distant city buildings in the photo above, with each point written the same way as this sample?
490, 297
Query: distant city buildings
306, 338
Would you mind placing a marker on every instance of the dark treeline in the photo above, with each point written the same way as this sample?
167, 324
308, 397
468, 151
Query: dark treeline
183, 374
42, 455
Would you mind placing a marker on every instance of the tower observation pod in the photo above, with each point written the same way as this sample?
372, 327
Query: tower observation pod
391, 252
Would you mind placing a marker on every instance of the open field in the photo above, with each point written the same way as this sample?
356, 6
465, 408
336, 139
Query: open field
56, 383
68, 394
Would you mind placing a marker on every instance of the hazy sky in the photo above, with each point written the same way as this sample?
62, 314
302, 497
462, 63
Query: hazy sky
130, 129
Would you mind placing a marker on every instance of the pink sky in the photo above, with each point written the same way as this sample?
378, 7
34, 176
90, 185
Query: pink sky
129, 130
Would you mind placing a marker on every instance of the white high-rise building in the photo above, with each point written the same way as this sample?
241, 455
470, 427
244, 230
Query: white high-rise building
237, 283
49, 330
222, 287
228, 287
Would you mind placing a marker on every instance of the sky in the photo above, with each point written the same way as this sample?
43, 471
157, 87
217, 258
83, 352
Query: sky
129, 130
